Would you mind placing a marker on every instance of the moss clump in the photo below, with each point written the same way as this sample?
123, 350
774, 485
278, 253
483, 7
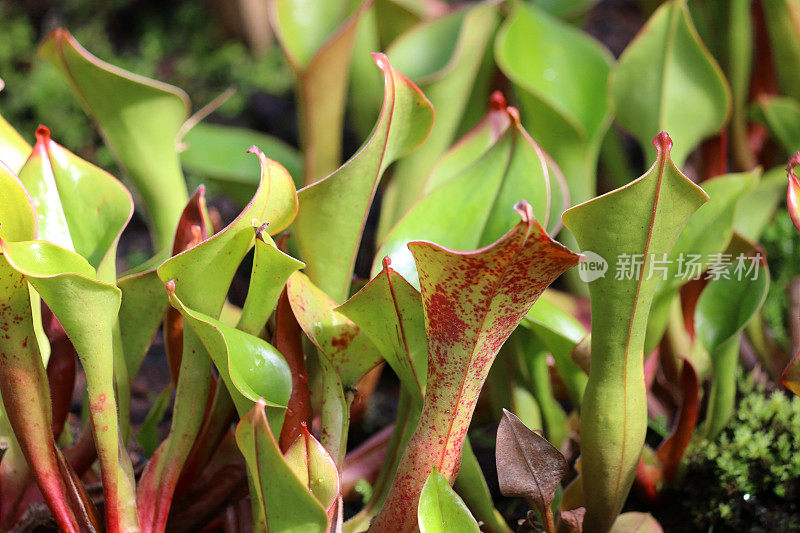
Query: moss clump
749, 478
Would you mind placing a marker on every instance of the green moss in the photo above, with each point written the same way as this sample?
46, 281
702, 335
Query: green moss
749, 478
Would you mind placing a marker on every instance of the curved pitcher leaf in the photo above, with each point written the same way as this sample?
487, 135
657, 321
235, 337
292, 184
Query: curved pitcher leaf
442, 510
705, 236
639, 221
67, 284
443, 56
472, 302
249, 366
271, 270
140, 125
287, 503
314, 466
210, 266
471, 208
317, 39
23, 383
79, 206
724, 308
389, 311
667, 80
214, 153
528, 466
334, 210
560, 77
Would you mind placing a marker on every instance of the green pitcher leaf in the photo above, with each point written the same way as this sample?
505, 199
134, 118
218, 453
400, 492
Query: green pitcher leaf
333, 211
389, 311
317, 39
287, 503
140, 124
441, 510
79, 206
471, 208
472, 302
560, 77
67, 283
706, 235
757, 207
26, 406
443, 56
249, 366
271, 269
147, 437
528, 466
639, 221
214, 153
667, 80
202, 275
314, 466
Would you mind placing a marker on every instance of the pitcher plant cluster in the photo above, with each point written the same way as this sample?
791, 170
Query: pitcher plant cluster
484, 206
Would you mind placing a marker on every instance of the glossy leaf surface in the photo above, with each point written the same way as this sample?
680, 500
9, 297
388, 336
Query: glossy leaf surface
140, 125
247, 364
560, 77
644, 217
667, 80
14, 149
78, 205
441, 510
472, 301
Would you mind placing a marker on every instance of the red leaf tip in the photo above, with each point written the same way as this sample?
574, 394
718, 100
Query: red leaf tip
387, 262
497, 102
663, 143
171, 287
525, 211
381, 60
254, 150
42, 134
